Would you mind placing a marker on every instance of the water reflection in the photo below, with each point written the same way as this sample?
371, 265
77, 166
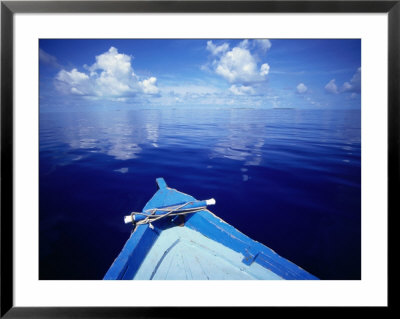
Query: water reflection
249, 136
243, 140
121, 135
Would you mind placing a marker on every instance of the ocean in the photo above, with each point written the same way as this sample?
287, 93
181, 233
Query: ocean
288, 178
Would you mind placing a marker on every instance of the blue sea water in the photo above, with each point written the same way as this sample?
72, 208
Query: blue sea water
288, 178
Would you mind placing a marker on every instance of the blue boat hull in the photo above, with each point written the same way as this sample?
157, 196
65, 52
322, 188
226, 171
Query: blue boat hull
205, 247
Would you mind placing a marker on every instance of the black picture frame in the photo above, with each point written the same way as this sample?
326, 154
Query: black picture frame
9, 8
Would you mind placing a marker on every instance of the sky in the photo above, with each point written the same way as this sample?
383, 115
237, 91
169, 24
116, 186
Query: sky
262, 73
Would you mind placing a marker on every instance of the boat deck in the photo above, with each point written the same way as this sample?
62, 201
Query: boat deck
181, 253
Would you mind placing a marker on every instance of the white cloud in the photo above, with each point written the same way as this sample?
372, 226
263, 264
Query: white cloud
215, 50
201, 94
264, 70
111, 76
331, 87
239, 66
189, 89
74, 76
346, 86
48, 59
263, 44
119, 99
198, 93
113, 63
241, 90
73, 82
76, 91
355, 83
149, 85
353, 95
301, 88
352, 86
244, 44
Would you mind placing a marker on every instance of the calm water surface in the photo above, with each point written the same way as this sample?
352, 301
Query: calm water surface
290, 179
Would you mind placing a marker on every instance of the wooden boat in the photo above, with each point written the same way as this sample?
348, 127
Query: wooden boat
177, 237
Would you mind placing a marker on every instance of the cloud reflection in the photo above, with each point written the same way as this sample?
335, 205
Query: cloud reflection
243, 140
122, 135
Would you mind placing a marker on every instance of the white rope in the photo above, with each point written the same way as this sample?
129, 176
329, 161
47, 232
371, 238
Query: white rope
169, 211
